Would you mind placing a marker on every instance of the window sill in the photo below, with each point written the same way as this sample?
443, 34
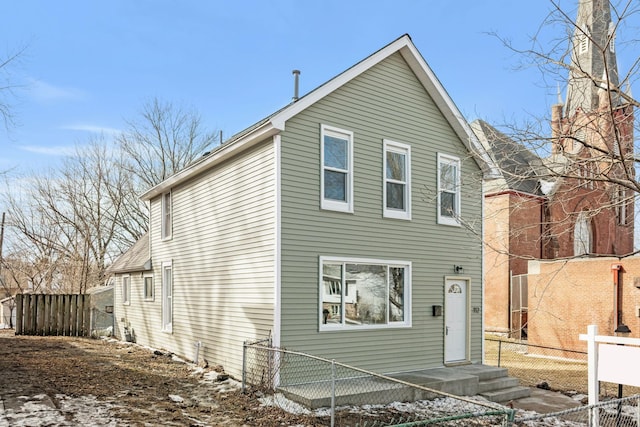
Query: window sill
449, 222
364, 328
397, 215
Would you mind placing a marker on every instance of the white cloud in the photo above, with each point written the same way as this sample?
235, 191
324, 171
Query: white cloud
91, 128
46, 92
60, 150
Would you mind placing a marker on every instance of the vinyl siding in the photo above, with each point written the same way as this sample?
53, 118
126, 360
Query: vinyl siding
385, 102
222, 252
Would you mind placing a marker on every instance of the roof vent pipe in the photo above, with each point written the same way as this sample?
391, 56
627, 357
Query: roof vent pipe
296, 79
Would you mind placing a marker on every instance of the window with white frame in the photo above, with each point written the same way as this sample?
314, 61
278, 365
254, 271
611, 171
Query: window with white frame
397, 180
148, 288
166, 216
448, 190
372, 293
336, 180
126, 290
582, 235
167, 297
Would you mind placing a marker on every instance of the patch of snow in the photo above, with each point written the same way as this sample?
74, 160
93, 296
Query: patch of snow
175, 398
71, 411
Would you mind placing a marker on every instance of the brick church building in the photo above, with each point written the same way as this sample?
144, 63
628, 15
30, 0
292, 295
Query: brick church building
575, 202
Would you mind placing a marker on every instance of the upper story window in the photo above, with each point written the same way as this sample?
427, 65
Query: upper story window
448, 190
337, 169
167, 227
126, 290
364, 293
397, 180
582, 237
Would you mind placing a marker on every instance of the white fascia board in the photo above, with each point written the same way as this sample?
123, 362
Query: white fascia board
278, 120
445, 103
222, 153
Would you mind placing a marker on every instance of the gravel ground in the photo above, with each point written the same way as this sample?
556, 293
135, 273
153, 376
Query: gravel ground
63, 381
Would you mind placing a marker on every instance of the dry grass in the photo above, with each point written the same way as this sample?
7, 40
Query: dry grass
561, 370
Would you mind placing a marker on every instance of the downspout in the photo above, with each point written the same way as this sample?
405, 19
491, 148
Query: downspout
617, 312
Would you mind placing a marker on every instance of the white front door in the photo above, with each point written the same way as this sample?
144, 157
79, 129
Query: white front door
455, 321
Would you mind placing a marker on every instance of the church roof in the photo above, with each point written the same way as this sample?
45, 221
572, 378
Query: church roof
592, 56
519, 167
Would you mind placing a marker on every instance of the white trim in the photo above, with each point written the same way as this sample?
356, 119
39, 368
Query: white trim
405, 150
125, 293
337, 205
146, 276
277, 306
407, 323
276, 123
166, 232
166, 326
447, 220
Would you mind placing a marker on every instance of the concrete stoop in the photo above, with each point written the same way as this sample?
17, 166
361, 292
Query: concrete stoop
490, 382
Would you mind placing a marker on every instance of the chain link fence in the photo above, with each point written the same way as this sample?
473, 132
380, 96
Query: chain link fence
546, 367
623, 412
326, 392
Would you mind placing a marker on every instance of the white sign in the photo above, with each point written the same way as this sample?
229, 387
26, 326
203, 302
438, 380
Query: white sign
618, 364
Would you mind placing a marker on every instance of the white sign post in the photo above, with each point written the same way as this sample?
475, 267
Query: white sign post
611, 363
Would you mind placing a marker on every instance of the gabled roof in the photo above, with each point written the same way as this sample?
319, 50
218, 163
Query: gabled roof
515, 164
136, 258
276, 122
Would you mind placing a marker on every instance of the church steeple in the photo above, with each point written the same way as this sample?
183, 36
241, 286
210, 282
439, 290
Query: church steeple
594, 34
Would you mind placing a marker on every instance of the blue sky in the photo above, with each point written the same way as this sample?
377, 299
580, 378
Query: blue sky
90, 65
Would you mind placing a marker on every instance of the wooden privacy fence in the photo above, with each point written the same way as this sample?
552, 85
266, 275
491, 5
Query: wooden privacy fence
41, 314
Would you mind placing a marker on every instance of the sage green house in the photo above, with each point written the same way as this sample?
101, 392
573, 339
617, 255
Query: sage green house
344, 225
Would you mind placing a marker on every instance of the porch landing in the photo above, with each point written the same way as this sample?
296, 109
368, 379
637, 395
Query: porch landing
468, 380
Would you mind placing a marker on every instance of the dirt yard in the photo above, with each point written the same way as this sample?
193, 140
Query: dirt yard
81, 381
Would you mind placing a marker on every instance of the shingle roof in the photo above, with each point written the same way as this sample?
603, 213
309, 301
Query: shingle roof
136, 258
518, 166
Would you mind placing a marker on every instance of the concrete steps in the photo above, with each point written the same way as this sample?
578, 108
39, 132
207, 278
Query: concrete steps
506, 394
491, 382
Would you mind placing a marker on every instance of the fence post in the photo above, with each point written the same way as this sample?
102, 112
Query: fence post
592, 369
244, 365
333, 392
499, 351
19, 314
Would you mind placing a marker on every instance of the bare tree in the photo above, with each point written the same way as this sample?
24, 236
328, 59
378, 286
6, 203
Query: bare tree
69, 224
7, 85
75, 218
552, 181
162, 141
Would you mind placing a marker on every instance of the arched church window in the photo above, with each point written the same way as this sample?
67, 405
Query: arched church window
582, 235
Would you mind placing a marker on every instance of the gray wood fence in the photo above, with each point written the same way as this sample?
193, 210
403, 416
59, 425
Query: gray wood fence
41, 314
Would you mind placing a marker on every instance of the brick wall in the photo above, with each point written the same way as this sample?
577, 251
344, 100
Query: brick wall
565, 296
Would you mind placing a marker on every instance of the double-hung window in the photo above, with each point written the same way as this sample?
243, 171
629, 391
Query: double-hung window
148, 288
397, 180
126, 290
336, 180
167, 297
166, 221
364, 293
448, 190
